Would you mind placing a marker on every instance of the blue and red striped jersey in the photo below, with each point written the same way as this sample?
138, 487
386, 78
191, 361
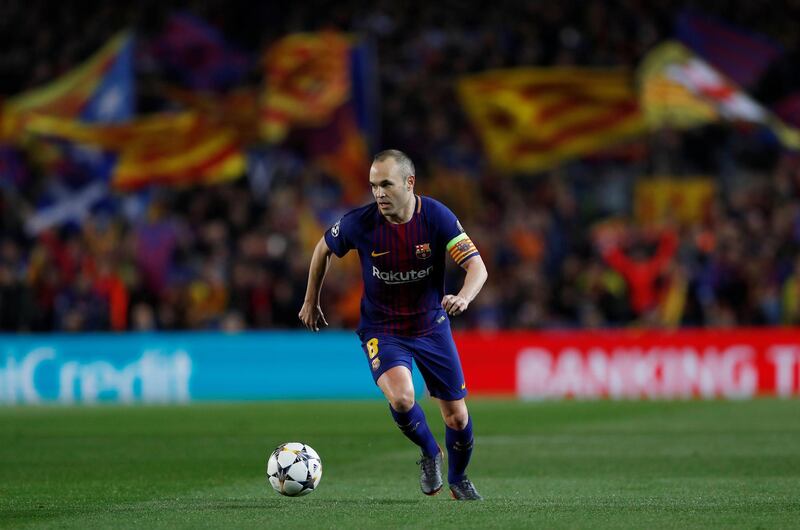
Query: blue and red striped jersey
403, 265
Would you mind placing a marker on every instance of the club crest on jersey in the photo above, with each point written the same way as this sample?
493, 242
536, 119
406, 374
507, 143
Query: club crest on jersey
423, 250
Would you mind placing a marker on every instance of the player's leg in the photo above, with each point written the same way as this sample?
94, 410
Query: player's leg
458, 438
459, 441
390, 361
398, 387
437, 359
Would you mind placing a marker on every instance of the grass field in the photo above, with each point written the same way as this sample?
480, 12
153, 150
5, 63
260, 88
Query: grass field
545, 465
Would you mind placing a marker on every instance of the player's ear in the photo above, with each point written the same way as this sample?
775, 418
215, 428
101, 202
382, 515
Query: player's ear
410, 180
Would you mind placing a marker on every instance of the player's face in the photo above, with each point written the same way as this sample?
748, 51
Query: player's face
391, 191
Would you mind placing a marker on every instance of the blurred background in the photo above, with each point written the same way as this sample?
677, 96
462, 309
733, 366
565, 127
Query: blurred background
258, 140
620, 164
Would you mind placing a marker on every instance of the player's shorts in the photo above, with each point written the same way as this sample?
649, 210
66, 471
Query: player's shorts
435, 355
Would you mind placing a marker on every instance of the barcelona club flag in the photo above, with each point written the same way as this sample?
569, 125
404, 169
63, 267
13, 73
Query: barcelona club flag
531, 119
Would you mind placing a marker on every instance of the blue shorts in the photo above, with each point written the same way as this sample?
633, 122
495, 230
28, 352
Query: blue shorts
435, 355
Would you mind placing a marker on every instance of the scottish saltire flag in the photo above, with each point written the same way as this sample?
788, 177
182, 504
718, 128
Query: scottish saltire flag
741, 55
195, 55
68, 207
532, 119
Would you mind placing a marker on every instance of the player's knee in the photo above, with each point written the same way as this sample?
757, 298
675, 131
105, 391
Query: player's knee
402, 401
457, 420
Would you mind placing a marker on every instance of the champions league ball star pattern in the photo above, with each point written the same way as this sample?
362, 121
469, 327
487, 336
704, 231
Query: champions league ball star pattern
294, 469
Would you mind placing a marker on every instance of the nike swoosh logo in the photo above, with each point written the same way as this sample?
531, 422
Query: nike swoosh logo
376, 254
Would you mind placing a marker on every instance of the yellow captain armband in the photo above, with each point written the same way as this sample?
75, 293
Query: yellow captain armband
461, 248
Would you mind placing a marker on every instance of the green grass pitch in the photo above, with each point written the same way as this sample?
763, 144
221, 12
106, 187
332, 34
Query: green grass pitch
699, 464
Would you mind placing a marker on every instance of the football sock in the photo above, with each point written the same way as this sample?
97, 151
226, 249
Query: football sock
459, 450
416, 429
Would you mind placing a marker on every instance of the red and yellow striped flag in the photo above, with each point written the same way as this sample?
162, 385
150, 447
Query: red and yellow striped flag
177, 149
191, 150
531, 119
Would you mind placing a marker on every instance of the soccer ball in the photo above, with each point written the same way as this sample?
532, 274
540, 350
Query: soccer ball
294, 469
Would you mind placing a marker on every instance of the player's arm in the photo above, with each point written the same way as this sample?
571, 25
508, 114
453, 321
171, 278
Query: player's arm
473, 282
311, 312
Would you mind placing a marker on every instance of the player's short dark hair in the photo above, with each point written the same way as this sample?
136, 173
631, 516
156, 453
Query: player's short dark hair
403, 161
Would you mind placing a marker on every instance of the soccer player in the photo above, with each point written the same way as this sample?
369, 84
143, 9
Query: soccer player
402, 240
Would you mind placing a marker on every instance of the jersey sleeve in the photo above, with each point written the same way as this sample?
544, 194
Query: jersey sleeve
339, 237
452, 235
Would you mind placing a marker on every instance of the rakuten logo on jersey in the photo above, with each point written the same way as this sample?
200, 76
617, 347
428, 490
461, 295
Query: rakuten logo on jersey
392, 277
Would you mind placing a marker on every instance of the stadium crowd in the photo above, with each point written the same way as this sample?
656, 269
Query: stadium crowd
563, 247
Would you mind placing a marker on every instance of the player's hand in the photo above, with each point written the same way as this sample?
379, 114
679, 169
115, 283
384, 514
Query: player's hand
310, 315
454, 304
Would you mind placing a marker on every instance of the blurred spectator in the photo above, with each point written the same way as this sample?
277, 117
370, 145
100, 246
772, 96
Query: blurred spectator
233, 256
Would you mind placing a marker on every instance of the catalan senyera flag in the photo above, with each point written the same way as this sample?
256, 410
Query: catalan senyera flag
190, 150
99, 90
531, 119
679, 89
233, 108
308, 79
170, 148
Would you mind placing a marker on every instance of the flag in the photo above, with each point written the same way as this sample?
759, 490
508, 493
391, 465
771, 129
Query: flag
196, 55
663, 198
364, 90
233, 109
190, 150
99, 90
741, 55
531, 119
169, 148
340, 149
322, 87
664, 100
69, 207
113, 98
308, 79
705, 95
